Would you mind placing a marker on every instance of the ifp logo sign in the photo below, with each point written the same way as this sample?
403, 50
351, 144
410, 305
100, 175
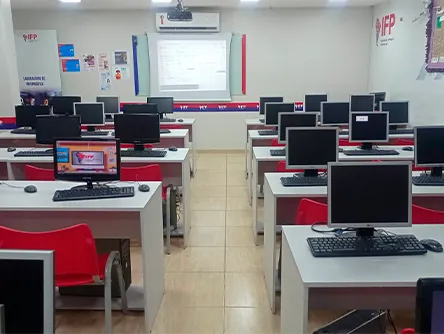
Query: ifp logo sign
32, 37
384, 29
88, 158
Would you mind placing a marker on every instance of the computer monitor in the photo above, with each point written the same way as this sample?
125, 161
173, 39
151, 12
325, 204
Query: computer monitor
429, 148
369, 195
137, 129
398, 112
26, 116
165, 105
264, 100
368, 127
91, 114
311, 148
429, 305
110, 103
141, 108
335, 113
312, 102
273, 109
27, 291
51, 127
296, 120
87, 160
64, 105
379, 97
362, 102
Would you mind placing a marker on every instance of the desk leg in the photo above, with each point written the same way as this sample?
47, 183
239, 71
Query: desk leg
253, 185
10, 171
186, 191
246, 158
249, 172
270, 246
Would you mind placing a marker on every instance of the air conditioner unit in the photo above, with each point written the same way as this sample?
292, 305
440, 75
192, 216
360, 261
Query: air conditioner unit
201, 22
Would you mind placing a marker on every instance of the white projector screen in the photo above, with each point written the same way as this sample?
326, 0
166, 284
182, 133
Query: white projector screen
190, 67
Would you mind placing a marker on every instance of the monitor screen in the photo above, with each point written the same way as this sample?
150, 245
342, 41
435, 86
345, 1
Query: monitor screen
368, 127
380, 193
50, 127
335, 113
142, 108
311, 148
398, 112
111, 104
26, 116
137, 128
313, 102
264, 100
429, 146
64, 105
90, 113
379, 97
295, 119
165, 105
362, 102
98, 159
272, 111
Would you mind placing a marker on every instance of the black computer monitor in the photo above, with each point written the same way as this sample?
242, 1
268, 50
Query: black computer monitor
26, 116
141, 108
362, 102
312, 102
398, 112
429, 305
64, 105
137, 129
368, 127
335, 113
51, 127
273, 109
311, 148
429, 148
380, 193
379, 97
110, 103
264, 100
165, 105
295, 120
87, 160
91, 114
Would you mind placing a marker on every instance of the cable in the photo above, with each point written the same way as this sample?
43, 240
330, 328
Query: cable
11, 186
337, 231
390, 319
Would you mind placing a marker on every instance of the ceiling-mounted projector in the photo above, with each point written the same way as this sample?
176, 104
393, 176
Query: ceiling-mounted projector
179, 13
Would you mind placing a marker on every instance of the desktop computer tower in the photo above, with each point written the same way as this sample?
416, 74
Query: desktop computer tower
172, 208
104, 246
357, 322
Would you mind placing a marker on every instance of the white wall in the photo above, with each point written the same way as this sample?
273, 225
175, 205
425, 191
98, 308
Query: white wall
289, 52
394, 68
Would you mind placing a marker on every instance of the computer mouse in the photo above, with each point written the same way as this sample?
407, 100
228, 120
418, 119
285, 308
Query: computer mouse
11, 149
432, 245
172, 148
30, 189
144, 188
408, 148
180, 120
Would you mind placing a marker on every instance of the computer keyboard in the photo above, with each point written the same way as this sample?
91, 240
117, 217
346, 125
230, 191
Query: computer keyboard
304, 181
385, 245
48, 153
143, 154
23, 131
278, 152
165, 131
401, 132
167, 120
94, 133
267, 132
96, 193
427, 180
370, 152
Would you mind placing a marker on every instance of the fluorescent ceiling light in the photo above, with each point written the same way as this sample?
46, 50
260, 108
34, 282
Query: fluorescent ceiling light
161, 1
70, 1
249, 0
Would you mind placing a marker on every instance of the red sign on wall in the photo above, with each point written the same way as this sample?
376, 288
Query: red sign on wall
384, 29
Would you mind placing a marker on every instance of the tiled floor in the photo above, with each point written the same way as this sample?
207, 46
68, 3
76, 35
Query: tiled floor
216, 285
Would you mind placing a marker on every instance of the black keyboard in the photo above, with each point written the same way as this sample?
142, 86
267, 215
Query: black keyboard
97, 193
401, 132
165, 131
278, 152
385, 245
143, 154
94, 133
428, 180
370, 152
167, 120
23, 132
267, 132
304, 181
48, 153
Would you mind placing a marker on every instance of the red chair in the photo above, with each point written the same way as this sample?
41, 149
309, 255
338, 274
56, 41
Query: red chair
345, 142
275, 143
171, 127
404, 142
310, 212
422, 215
76, 259
38, 174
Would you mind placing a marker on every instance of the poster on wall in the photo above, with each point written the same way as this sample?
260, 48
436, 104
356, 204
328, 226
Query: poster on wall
120, 57
105, 81
39, 77
435, 37
103, 61
66, 50
71, 65
121, 72
89, 63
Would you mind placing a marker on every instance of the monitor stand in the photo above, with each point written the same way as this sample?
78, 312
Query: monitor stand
436, 172
311, 173
90, 185
367, 146
90, 128
365, 232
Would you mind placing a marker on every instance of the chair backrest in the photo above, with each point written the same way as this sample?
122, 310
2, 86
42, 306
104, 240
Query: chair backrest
345, 142
151, 173
404, 142
422, 215
74, 246
171, 126
38, 174
275, 143
310, 212
132, 146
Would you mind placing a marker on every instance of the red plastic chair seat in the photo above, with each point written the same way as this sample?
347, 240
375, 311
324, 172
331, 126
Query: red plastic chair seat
275, 143
38, 174
404, 142
345, 142
73, 280
422, 215
150, 173
310, 212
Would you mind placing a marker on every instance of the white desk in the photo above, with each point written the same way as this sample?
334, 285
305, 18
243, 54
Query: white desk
263, 163
281, 204
134, 217
350, 283
251, 124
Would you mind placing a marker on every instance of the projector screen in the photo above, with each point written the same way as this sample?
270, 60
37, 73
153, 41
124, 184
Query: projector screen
190, 67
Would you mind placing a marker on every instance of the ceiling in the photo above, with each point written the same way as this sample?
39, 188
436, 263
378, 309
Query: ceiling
142, 4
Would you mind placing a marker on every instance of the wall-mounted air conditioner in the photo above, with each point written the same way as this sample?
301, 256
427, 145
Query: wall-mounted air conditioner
200, 22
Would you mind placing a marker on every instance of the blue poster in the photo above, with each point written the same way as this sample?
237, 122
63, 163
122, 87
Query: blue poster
66, 50
71, 65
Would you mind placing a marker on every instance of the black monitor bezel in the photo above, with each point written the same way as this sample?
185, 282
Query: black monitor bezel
33, 115
138, 140
425, 288
50, 142
262, 108
140, 104
162, 98
65, 97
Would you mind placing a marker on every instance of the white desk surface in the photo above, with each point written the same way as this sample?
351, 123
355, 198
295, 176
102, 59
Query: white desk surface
398, 271
13, 199
253, 121
186, 121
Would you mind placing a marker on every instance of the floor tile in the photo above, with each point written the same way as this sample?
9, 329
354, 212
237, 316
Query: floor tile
240, 157
238, 218
236, 178
208, 177
208, 218
238, 204
196, 259
236, 166
204, 236
244, 259
237, 192
136, 259
208, 204
251, 321
204, 191
239, 237
245, 290
212, 162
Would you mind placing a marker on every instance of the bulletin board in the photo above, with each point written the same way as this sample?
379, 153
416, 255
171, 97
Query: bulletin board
435, 37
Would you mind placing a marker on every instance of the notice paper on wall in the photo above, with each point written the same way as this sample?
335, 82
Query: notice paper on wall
120, 57
89, 62
121, 72
71, 65
103, 61
66, 50
105, 81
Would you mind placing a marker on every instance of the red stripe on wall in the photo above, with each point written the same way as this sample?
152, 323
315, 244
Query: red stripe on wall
244, 64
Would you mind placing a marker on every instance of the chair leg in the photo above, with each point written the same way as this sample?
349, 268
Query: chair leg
168, 220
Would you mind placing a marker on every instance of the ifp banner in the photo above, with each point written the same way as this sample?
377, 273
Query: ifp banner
38, 65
